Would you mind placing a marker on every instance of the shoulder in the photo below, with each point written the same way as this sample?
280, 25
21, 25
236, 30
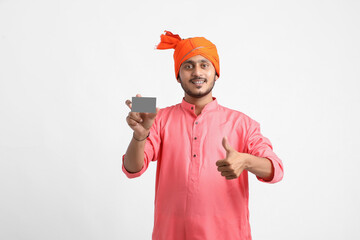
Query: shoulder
169, 109
166, 112
238, 119
235, 114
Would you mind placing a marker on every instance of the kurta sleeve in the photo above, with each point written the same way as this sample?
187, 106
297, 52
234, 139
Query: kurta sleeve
151, 150
260, 146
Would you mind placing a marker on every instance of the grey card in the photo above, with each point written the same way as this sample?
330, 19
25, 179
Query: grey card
144, 104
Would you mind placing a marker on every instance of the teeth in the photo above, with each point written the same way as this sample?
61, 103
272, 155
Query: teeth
198, 82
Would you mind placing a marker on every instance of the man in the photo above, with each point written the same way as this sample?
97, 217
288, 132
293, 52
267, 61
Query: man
204, 152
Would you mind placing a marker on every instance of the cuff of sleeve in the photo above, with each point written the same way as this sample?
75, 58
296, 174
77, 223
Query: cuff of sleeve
278, 172
130, 174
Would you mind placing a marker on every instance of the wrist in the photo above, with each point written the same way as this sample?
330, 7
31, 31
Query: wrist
141, 137
248, 161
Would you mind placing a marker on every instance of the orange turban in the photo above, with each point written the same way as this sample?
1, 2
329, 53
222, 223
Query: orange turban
187, 48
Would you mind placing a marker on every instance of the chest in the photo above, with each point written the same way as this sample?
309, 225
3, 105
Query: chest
201, 136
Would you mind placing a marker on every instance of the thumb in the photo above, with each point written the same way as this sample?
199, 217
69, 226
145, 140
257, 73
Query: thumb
226, 144
153, 115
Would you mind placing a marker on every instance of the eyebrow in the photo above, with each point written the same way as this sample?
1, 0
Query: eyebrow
200, 61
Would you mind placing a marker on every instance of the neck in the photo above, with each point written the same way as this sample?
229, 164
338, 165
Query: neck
199, 103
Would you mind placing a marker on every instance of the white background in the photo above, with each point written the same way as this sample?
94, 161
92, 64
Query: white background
67, 67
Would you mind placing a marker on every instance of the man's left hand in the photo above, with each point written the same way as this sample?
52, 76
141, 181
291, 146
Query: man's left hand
234, 164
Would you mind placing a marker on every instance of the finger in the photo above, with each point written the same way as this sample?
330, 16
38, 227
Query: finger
138, 95
224, 168
226, 144
231, 177
226, 174
222, 162
128, 103
153, 115
131, 122
135, 116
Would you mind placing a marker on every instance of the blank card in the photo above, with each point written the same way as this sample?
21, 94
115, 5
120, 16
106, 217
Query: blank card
144, 104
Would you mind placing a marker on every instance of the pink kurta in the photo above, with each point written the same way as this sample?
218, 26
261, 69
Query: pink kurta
192, 199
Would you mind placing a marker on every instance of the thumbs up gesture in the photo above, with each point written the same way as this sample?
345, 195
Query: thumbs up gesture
232, 166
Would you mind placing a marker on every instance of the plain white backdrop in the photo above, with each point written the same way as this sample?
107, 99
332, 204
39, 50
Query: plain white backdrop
67, 67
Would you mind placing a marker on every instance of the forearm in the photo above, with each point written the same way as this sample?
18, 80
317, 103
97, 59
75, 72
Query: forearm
261, 167
134, 156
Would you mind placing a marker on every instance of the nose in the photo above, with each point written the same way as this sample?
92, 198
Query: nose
197, 72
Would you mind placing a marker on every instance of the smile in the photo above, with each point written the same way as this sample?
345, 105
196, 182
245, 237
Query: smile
198, 82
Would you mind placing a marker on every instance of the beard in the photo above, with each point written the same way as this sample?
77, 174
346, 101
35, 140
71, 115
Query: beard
200, 94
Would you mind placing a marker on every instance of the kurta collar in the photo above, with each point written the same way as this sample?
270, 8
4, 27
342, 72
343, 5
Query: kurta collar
191, 107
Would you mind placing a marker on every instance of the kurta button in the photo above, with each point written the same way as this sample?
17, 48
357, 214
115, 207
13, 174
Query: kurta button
195, 138
196, 122
192, 108
194, 155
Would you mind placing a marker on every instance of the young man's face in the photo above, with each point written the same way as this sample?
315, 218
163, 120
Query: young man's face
197, 76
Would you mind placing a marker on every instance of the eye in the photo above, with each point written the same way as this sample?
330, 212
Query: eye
204, 65
187, 66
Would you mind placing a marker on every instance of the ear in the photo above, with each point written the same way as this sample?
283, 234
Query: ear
178, 79
216, 77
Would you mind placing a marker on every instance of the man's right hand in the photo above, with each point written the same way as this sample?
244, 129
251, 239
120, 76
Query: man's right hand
140, 122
